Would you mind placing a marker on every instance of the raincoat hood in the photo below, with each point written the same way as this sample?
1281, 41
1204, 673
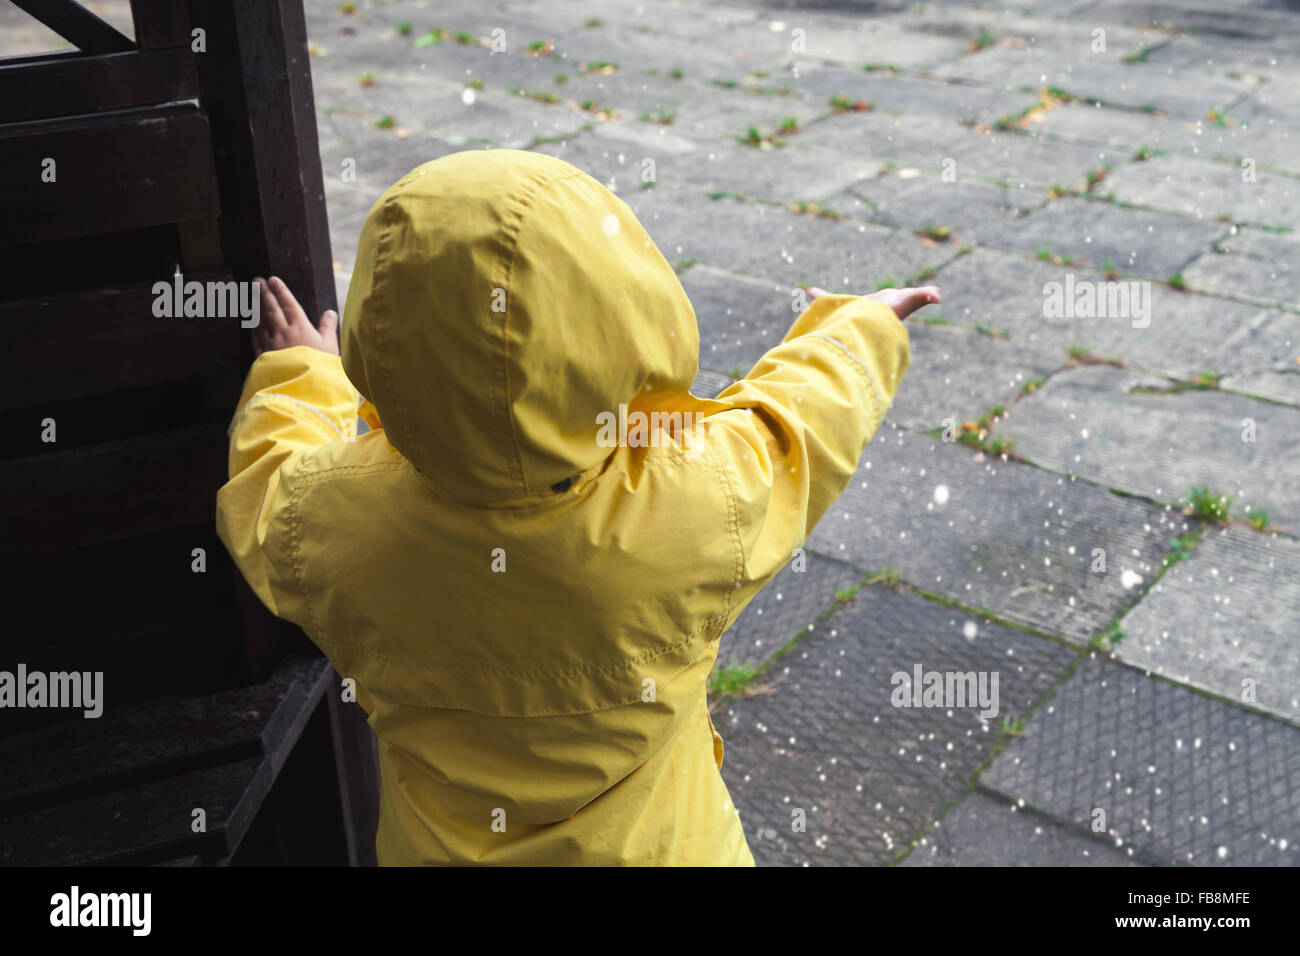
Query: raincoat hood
502, 300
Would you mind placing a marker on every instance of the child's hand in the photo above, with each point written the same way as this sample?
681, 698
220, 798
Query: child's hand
903, 301
284, 324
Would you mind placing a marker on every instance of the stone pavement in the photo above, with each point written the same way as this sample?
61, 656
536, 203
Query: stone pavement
1149, 678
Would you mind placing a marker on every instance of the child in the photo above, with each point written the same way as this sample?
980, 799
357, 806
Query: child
528, 613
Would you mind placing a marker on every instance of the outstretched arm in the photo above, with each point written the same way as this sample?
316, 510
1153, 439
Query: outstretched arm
295, 400
798, 423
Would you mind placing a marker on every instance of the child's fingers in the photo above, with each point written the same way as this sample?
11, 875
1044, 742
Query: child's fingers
288, 304
272, 318
329, 331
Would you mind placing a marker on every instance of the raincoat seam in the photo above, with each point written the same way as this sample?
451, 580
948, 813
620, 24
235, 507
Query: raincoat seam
733, 527
375, 467
861, 369
381, 288
265, 398
524, 206
295, 541
576, 670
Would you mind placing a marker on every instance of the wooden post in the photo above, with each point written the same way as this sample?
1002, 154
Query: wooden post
255, 80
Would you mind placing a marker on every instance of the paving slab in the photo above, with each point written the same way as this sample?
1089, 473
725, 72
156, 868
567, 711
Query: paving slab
372, 159
1061, 27
908, 94
740, 318
708, 384
1127, 132
1176, 333
936, 144
802, 592
830, 36
1182, 778
773, 243
1252, 265
960, 374
685, 20
985, 830
1135, 242
955, 372
827, 740
997, 534
1099, 77
1214, 19
1208, 190
617, 153
1092, 422
911, 199
1256, 58
1226, 620
1275, 385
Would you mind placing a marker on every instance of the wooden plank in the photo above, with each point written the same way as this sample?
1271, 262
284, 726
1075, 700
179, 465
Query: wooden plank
116, 490
256, 88
160, 23
115, 172
95, 84
151, 822
141, 825
356, 756
306, 803
150, 661
63, 347
109, 259
70, 20
130, 746
82, 423
108, 577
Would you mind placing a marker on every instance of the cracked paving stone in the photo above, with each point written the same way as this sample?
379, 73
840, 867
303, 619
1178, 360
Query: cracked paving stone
1091, 422
910, 199
984, 830
1003, 535
1227, 615
1180, 777
828, 740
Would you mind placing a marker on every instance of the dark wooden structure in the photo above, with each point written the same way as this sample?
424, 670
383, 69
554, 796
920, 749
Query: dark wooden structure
190, 148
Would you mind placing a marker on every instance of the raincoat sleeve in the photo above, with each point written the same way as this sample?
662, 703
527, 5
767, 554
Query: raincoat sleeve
798, 423
294, 401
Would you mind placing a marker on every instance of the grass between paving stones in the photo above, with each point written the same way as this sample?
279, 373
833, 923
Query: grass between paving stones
1012, 726
1083, 355
748, 679
756, 138
1005, 739
977, 433
1180, 548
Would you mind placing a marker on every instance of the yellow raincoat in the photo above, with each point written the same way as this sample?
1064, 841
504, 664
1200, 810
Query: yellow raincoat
531, 655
